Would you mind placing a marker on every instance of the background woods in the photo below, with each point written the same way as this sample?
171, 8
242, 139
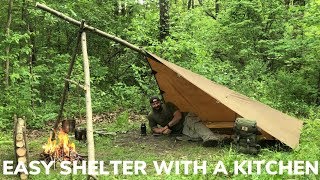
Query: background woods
267, 50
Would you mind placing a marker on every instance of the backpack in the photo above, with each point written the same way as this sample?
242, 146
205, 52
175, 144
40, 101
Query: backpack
246, 136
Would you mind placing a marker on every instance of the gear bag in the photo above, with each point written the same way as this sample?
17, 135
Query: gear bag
246, 136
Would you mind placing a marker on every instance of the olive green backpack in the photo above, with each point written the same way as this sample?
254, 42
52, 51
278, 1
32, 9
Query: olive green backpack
246, 136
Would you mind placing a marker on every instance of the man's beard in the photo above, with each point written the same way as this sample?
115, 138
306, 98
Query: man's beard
159, 109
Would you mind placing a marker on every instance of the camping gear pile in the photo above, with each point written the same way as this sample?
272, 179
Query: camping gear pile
246, 136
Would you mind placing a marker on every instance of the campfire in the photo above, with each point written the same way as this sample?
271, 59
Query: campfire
60, 150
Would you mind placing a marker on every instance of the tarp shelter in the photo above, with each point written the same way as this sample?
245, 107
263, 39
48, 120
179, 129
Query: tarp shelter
219, 106
215, 104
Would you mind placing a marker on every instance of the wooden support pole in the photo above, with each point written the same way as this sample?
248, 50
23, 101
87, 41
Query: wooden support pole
66, 83
90, 139
26, 142
92, 29
14, 139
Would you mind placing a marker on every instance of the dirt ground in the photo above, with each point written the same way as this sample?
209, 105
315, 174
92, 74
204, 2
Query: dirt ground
159, 142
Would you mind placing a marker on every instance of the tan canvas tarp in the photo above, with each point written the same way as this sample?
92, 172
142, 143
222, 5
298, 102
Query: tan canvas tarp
218, 104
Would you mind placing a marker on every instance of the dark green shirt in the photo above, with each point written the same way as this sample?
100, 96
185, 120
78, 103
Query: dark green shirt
164, 116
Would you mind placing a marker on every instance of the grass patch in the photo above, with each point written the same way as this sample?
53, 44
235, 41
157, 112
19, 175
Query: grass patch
128, 145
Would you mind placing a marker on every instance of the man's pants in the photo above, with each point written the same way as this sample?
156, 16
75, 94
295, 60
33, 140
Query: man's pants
194, 128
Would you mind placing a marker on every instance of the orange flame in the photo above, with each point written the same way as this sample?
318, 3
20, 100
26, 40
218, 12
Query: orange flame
62, 150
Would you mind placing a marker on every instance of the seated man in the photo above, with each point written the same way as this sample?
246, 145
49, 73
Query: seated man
171, 120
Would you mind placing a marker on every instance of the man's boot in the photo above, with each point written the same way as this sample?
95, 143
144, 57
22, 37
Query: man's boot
210, 142
187, 138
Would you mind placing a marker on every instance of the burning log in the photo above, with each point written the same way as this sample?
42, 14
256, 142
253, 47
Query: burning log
63, 150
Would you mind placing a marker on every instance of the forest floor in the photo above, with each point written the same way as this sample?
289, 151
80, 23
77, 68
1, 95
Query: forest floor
126, 144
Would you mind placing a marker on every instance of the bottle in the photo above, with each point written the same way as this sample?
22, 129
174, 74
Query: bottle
143, 129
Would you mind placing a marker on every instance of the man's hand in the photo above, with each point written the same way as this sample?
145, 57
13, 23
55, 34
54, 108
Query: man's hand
167, 131
158, 130
163, 130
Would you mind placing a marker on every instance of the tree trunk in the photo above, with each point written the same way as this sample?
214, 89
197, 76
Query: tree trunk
7, 65
299, 2
164, 19
32, 55
287, 3
201, 2
88, 98
318, 96
297, 27
190, 4
217, 8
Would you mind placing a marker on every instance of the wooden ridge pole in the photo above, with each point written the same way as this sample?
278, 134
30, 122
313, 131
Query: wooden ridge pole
90, 28
66, 83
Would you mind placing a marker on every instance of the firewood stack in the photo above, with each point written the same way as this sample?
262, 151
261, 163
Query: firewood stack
20, 143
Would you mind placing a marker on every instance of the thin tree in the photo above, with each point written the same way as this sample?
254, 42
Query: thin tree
30, 29
318, 96
217, 7
7, 65
164, 19
216, 10
190, 4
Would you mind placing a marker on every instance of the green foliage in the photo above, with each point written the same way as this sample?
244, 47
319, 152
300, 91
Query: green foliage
122, 120
267, 50
120, 125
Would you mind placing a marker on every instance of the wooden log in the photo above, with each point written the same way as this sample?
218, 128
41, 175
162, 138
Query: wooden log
21, 122
25, 143
19, 132
19, 137
23, 176
21, 151
20, 144
22, 159
19, 129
